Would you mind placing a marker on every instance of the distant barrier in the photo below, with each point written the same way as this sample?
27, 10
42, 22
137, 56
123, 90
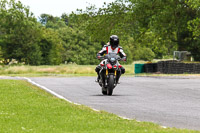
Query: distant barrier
139, 68
171, 67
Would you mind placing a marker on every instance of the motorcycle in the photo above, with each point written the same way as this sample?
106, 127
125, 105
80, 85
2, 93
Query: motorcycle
110, 73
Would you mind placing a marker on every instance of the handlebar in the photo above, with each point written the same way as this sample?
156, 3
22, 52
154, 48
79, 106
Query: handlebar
105, 57
100, 57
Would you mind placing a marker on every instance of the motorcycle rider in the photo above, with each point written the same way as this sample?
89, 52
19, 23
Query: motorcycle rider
112, 46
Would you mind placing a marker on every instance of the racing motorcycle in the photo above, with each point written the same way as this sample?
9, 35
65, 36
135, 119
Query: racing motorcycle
109, 73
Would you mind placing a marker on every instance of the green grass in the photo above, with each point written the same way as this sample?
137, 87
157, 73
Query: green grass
26, 108
60, 70
70, 71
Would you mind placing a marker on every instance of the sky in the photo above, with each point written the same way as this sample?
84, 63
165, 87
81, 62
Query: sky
57, 7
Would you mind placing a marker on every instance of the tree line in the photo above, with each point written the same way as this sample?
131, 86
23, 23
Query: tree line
47, 41
147, 29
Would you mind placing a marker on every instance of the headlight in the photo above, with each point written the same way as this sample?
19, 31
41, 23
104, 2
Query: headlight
112, 59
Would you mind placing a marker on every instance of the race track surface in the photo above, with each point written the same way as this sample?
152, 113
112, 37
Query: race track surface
168, 101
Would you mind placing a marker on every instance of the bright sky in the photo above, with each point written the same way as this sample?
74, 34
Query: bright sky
57, 7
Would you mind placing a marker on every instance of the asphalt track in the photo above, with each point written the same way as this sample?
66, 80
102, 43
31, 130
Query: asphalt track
168, 101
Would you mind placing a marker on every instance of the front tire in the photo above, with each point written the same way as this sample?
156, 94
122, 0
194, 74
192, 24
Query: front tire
104, 92
110, 85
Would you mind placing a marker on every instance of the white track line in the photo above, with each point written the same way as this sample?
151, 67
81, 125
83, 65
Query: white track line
61, 97
48, 90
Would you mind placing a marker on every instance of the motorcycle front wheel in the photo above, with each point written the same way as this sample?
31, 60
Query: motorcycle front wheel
110, 85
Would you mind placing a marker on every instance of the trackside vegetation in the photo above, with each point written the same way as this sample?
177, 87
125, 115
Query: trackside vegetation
148, 29
57, 70
26, 108
70, 70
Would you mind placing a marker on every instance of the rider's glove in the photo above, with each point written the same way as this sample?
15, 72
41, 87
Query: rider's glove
123, 59
99, 57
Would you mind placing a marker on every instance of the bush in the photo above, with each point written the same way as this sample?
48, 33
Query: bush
144, 54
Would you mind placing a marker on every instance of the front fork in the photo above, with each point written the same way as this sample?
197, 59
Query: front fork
107, 76
107, 72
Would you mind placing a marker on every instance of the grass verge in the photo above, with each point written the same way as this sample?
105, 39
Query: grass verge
60, 70
26, 108
69, 71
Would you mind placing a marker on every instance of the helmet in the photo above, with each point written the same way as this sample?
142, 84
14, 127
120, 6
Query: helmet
114, 41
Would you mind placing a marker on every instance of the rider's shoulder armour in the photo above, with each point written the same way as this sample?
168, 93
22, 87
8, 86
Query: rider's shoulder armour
120, 47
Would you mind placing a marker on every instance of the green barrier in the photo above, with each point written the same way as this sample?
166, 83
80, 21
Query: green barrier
139, 68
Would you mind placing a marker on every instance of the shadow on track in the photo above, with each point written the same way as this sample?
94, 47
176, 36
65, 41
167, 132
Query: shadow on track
115, 95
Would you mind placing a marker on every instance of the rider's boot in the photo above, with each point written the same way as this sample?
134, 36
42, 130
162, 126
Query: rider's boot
97, 70
98, 77
118, 81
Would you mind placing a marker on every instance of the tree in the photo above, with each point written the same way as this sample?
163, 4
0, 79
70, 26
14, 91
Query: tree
77, 46
51, 47
19, 32
1, 54
108, 20
167, 20
155, 21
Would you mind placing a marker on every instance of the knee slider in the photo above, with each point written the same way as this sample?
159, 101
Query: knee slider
122, 70
97, 68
